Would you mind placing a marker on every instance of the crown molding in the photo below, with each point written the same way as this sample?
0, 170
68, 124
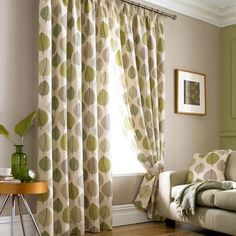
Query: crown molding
200, 10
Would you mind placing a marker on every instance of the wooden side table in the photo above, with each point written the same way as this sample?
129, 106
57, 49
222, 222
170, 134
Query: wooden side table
17, 191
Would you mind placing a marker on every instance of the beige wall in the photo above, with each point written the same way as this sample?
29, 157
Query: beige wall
18, 66
190, 44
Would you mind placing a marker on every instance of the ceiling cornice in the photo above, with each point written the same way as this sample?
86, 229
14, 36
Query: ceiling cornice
200, 10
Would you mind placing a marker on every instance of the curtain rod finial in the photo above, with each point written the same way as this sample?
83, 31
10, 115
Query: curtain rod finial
174, 17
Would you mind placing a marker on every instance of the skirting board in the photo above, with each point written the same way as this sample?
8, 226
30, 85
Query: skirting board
122, 215
5, 226
128, 214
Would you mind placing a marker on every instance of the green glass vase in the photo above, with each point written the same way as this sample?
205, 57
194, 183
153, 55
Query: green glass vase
19, 163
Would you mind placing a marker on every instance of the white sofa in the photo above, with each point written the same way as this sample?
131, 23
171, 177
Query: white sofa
215, 209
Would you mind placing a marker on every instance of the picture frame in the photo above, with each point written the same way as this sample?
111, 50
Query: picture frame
190, 92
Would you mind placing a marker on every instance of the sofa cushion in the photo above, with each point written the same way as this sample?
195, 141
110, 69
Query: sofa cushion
226, 200
204, 198
208, 166
207, 197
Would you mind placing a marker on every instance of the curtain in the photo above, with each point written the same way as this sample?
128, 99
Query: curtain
140, 58
78, 42
73, 118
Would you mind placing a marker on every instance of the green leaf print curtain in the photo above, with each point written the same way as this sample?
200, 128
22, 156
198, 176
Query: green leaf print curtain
140, 56
73, 118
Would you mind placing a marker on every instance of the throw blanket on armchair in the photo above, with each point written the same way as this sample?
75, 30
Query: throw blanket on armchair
185, 200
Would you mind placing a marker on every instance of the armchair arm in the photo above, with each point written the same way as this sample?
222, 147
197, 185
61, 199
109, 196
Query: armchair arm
167, 180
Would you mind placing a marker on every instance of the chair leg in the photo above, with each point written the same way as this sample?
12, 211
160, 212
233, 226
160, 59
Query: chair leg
20, 213
30, 213
4, 203
170, 223
13, 208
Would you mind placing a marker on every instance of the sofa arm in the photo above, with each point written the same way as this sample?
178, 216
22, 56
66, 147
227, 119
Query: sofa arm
167, 180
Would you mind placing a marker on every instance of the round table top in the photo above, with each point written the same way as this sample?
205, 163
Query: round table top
37, 187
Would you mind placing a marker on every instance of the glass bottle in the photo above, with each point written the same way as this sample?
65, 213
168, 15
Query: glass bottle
19, 163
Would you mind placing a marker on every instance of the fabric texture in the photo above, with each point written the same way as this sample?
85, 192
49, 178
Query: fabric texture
203, 198
185, 200
73, 128
208, 166
78, 42
140, 57
226, 200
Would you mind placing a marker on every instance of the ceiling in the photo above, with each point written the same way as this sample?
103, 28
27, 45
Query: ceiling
217, 12
220, 3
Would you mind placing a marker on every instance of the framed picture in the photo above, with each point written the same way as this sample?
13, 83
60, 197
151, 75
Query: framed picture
190, 92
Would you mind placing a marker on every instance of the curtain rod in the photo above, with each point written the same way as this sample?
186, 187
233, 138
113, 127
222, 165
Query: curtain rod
173, 17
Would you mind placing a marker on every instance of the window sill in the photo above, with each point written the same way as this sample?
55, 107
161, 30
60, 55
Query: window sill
128, 174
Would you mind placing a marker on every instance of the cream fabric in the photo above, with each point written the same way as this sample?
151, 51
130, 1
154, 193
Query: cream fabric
204, 198
208, 166
207, 197
226, 200
230, 173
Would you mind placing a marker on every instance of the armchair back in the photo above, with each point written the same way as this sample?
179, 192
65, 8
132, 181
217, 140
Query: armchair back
230, 171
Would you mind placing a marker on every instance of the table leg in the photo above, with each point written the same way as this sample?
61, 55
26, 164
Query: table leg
20, 213
30, 213
4, 203
13, 214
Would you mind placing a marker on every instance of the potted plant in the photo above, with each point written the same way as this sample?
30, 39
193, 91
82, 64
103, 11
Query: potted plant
19, 166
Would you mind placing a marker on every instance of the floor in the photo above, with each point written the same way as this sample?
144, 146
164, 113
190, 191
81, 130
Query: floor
157, 228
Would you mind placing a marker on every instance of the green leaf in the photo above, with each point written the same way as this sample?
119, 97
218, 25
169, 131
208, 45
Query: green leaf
76, 216
45, 13
24, 125
70, 120
104, 30
43, 88
57, 176
87, 6
160, 45
212, 158
63, 142
93, 212
3, 131
144, 191
103, 97
74, 164
66, 215
45, 164
63, 69
104, 164
105, 212
73, 191
42, 118
91, 143
44, 42
57, 205
45, 217
118, 58
89, 74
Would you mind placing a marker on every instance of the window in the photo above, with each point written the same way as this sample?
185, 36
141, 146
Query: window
124, 156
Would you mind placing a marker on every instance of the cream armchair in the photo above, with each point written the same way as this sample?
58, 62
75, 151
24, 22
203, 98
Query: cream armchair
215, 209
